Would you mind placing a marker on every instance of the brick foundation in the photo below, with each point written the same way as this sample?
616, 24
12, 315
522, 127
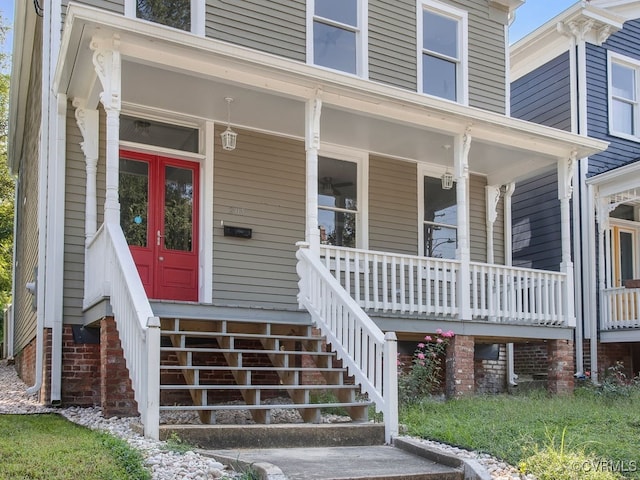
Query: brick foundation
80, 371
117, 398
610, 353
561, 366
460, 379
491, 375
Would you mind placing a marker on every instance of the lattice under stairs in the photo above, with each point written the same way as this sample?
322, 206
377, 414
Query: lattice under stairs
212, 366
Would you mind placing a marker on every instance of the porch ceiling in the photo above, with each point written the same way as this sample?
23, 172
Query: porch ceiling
178, 73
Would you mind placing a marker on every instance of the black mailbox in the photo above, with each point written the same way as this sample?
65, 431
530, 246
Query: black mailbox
240, 232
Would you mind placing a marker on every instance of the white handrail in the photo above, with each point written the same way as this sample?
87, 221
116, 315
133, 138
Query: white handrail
368, 354
620, 308
112, 273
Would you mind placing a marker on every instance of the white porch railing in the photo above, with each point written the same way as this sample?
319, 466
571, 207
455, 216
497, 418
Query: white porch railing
111, 272
620, 308
393, 282
368, 354
508, 294
396, 283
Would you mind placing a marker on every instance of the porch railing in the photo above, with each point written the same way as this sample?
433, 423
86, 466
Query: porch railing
112, 273
408, 284
620, 308
368, 354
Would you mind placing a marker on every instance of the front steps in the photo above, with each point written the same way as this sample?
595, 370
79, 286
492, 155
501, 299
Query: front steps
218, 367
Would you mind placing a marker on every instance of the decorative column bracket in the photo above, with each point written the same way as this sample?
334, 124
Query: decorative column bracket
492, 198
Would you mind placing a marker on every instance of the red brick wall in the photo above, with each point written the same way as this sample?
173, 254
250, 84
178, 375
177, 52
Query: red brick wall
25, 363
530, 359
561, 366
491, 375
117, 398
460, 367
80, 371
609, 354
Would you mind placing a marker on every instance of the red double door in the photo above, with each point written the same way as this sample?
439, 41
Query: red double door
159, 217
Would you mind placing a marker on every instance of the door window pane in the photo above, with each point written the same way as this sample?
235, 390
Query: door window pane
178, 209
337, 201
626, 256
173, 13
134, 201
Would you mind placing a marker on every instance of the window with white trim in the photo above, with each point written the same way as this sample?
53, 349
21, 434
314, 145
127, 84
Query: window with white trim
440, 221
442, 47
338, 215
187, 15
624, 114
335, 34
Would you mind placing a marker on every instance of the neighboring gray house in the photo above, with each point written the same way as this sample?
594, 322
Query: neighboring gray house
580, 72
367, 195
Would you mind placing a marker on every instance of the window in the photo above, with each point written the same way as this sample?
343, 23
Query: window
338, 202
159, 134
337, 35
623, 96
187, 15
442, 47
440, 220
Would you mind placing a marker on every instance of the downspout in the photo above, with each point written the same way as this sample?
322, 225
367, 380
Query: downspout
508, 261
43, 175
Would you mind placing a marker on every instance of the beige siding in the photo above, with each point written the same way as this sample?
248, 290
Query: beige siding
392, 43
498, 235
277, 26
115, 6
26, 241
260, 185
477, 218
393, 206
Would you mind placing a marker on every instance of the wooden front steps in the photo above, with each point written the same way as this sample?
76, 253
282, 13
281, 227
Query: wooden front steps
216, 366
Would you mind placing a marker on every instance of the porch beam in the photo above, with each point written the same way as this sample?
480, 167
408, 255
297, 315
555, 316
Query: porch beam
313, 110
87, 120
566, 169
461, 165
108, 66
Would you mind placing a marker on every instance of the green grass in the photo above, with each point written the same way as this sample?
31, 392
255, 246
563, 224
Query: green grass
52, 448
512, 427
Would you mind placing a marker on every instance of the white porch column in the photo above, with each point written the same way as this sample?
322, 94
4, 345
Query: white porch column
87, 120
313, 109
566, 169
512, 377
492, 197
602, 211
107, 63
463, 253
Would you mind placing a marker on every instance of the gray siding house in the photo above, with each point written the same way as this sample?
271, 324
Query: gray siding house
213, 205
586, 81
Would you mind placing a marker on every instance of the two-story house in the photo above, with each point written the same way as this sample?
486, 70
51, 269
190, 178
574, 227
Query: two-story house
194, 185
580, 72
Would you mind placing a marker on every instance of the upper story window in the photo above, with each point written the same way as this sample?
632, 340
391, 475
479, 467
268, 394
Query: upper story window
624, 114
336, 34
442, 51
187, 15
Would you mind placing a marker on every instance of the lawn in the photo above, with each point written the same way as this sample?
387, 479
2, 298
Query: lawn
50, 447
510, 427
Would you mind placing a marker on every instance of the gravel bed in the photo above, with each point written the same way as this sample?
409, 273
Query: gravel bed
167, 465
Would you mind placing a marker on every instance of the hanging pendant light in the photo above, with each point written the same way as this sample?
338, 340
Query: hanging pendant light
229, 137
447, 180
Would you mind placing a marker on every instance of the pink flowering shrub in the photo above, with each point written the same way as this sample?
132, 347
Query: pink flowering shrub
424, 375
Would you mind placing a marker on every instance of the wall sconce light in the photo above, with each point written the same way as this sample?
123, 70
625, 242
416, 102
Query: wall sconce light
447, 180
229, 137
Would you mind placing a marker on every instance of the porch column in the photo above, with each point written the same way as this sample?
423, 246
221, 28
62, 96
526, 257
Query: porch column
313, 110
508, 260
566, 169
461, 164
107, 63
604, 279
460, 369
87, 120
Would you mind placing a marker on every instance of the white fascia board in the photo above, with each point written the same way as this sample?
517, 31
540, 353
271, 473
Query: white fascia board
24, 30
169, 48
552, 38
508, 5
617, 180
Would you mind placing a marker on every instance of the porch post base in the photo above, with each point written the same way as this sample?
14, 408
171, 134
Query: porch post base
561, 366
460, 376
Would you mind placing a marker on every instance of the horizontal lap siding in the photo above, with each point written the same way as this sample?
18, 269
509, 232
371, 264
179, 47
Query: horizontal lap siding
260, 185
393, 206
486, 57
276, 26
621, 151
536, 223
392, 43
26, 241
543, 96
477, 218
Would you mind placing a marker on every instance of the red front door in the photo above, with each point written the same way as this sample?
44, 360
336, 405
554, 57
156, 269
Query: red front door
159, 217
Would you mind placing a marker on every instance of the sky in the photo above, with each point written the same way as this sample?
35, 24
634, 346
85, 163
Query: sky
528, 17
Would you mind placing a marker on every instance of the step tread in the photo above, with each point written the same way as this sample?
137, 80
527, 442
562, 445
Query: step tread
265, 407
244, 350
259, 387
251, 336
255, 369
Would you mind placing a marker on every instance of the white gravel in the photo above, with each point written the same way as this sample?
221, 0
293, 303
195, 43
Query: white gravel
165, 464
